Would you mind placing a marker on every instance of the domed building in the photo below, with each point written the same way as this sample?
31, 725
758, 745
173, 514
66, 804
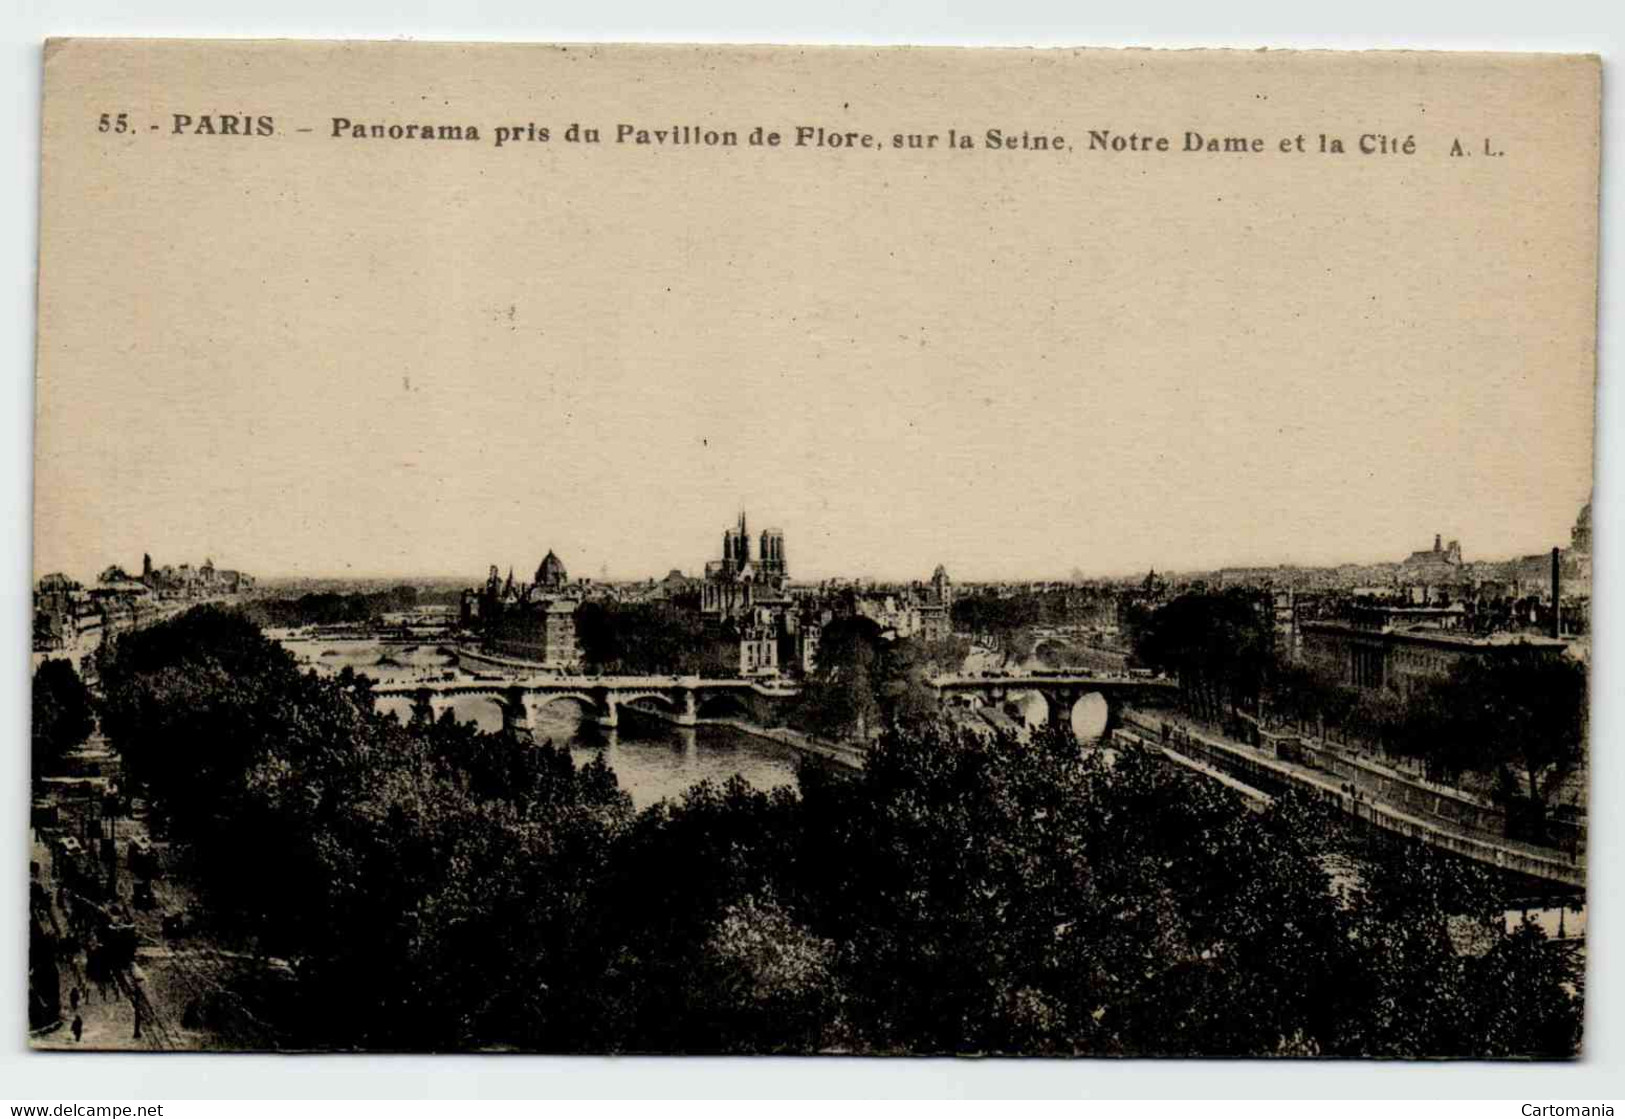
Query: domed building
535, 622
1577, 561
551, 574
1580, 535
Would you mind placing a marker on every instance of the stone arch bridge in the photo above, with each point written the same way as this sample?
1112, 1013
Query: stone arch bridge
691, 700
684, 700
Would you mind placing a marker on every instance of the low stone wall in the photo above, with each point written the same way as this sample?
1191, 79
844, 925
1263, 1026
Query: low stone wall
1423, 798
1123, 738
846, 754
1271, 774
496, 660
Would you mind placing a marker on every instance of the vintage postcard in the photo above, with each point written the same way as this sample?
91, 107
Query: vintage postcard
664, 549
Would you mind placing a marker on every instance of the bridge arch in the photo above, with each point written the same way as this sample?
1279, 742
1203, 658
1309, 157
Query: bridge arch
1029, 705
723, 705
1056, 647
661, 699
586, 704
1090, 716
483, 709
399, 706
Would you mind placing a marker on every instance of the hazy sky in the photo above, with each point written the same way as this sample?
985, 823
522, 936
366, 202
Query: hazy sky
306, 355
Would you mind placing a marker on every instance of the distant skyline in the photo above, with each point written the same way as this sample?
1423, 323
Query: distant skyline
524, 570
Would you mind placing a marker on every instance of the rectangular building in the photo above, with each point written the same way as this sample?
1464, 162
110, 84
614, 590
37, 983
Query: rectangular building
1375, 657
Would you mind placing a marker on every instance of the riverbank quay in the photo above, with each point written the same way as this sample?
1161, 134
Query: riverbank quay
1412, 793
1262, 769
1392, 782
849, 755
492, 660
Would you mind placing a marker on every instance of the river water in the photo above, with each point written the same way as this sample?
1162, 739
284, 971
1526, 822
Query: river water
652, 759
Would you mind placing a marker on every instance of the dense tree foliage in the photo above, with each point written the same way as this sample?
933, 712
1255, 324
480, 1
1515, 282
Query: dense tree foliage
862, 682
1517, 717
995, 619
328, 608
841, 696
63, 715
1001, 617
1220, 647
652, 638
435, 887
419, 875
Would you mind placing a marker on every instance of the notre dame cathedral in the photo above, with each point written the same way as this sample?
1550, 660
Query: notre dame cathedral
737, 585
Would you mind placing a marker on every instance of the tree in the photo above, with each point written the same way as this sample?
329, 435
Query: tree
1000, 620
649, 637
1220, 647
766, 983
1543, 1018
63, 714
841, 697
427, 880
1524, 715
331, 608
194, 703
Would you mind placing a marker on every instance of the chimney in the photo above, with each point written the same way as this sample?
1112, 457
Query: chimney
1437, 541
1557, 595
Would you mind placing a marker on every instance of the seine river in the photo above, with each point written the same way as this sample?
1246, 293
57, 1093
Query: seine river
653, 760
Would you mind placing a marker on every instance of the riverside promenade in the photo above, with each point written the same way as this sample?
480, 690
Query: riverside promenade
1260, 771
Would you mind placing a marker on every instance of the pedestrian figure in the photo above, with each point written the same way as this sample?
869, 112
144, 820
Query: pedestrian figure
78, 1027
73, 998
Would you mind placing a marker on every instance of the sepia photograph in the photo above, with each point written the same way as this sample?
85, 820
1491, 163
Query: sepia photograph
820, 551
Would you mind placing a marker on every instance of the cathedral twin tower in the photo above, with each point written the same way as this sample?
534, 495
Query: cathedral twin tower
738, 585
770, 562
